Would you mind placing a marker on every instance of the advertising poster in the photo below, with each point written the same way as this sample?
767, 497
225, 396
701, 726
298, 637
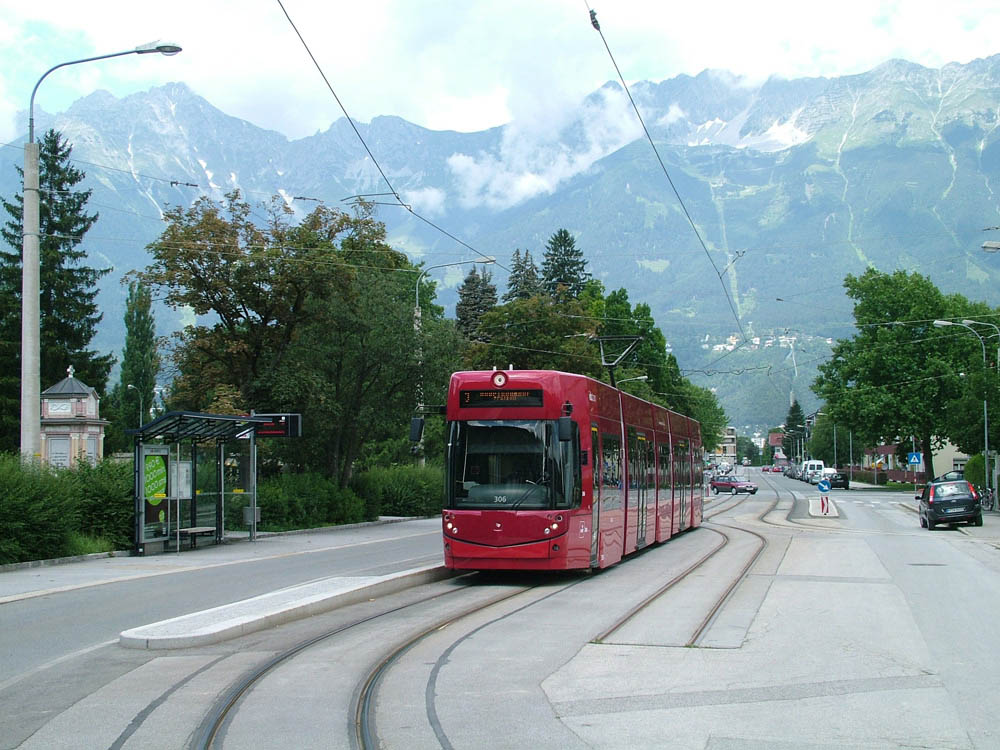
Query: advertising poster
155, 489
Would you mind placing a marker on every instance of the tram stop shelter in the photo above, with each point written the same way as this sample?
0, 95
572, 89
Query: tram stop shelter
183, 477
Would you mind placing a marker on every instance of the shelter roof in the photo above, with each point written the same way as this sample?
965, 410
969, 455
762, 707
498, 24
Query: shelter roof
175, 426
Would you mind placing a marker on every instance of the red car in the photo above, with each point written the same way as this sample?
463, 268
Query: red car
732, 484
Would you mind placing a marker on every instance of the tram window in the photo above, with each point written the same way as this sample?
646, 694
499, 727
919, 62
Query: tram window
611, 471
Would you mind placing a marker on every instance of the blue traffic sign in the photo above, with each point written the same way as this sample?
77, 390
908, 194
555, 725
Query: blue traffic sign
823, 485
913, 459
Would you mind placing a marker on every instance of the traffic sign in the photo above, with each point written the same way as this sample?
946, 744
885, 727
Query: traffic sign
913, 459
823, 485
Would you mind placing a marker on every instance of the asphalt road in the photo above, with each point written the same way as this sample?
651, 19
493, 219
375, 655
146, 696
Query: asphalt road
69, 609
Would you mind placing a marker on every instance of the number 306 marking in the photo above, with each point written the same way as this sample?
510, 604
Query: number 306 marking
499, 498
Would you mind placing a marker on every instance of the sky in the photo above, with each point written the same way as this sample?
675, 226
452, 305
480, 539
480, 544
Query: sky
453, 64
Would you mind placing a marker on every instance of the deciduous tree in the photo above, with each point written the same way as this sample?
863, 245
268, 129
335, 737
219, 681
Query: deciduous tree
897, 376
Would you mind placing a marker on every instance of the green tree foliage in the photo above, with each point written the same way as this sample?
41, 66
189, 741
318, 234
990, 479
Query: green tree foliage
963, 420
564, 273
315, 317
476, 296
821, 442
524, 280
260, 284
747, 448
794, 431
557, 333
896, 377
68, 314
537, 333
140, 367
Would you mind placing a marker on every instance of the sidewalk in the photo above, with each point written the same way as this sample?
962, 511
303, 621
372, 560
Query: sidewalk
29, 580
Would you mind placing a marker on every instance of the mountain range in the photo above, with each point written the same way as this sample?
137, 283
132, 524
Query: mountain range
790, 185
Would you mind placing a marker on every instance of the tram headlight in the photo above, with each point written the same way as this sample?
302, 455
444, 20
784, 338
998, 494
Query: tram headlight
555, 526
448, 525
547, 530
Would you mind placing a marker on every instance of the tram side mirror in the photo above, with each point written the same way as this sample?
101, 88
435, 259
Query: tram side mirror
565, 429
416, 429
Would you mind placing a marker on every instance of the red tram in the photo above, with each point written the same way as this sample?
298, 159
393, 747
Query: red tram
553, 471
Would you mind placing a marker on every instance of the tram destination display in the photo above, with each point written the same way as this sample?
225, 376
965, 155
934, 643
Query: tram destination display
484, 397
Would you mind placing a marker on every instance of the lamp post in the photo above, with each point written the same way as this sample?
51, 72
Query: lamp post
30, 353
133, 388
986, 422
996, 362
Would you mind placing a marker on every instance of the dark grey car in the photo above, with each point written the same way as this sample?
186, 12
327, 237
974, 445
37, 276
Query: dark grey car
949, 501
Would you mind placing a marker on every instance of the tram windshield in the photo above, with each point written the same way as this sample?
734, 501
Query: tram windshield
508, 464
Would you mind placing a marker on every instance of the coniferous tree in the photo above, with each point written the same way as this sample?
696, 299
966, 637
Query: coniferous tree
140, 366
794, 429
476, 297
525, 280
68, 311
564, 269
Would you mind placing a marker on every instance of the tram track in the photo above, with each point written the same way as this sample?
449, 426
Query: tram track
225, 708
363, 711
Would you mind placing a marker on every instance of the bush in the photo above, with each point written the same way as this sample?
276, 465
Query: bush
401, 491
37, 511
302, 501
104, 496
975, 470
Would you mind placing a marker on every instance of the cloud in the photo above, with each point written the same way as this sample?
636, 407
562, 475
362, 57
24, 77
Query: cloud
534, 160
428, 200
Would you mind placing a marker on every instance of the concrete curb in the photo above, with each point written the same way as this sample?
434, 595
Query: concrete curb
61, 560
265, 611
231, 539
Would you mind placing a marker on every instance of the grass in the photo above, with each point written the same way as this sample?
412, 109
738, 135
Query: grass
81, 544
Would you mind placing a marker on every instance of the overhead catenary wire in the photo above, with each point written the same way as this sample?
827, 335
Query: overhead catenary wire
371, 156
663, 166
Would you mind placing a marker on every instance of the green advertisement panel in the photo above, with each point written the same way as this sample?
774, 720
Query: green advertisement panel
154, 476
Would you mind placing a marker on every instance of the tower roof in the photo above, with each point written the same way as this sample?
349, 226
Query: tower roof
69, 386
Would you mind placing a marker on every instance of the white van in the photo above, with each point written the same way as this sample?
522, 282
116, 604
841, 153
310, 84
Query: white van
812, 471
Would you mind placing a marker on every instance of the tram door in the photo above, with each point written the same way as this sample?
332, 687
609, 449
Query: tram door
638, 479
682, 482
595, 495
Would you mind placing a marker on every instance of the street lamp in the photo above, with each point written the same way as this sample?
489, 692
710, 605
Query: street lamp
133, 388
986, 422
30, 350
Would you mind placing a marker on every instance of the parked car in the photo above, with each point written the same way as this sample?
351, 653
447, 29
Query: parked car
732, 484
792, 471
837, 478
949, 501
